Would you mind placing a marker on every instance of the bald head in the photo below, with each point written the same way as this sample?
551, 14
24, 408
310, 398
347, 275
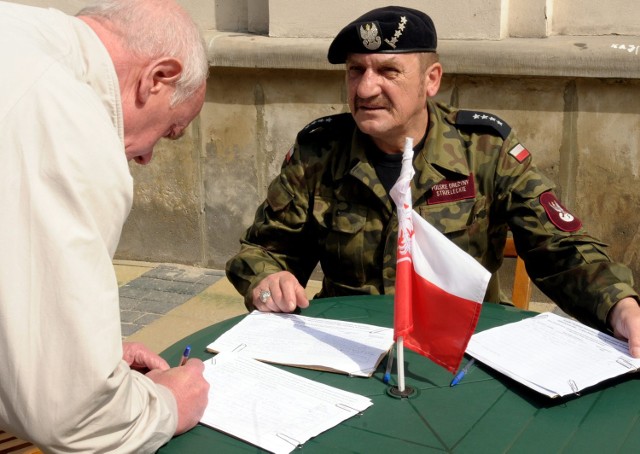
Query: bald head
161, 64
148, 30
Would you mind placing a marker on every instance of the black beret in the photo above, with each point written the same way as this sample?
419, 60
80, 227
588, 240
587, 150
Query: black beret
389, 30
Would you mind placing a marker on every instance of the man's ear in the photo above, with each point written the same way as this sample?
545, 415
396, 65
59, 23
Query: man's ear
158, 75
433, 79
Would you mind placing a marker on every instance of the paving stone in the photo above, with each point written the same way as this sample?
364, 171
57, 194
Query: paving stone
127, 304
165, 287
129, 328
160, 296
172, 273
160, 307
130, 316
146, 283
132, 292
147, 318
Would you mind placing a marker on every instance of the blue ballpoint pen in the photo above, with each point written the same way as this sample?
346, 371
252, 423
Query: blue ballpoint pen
460, 375
185, 355
387, 374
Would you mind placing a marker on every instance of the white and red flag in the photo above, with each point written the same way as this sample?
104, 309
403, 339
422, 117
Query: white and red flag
439, 287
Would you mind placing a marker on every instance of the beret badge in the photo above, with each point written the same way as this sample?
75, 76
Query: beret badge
369, 35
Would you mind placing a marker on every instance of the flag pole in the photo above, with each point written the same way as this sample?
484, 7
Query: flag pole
400, 365
407, 155
401, 195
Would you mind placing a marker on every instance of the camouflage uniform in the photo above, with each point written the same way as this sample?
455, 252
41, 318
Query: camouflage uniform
473, 182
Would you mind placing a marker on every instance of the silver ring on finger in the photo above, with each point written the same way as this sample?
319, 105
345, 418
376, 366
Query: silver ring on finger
265, 295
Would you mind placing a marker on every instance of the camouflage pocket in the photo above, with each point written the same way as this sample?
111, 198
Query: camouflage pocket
339, 216
465, 222
342, 226
592, 250
453, 217
277, 195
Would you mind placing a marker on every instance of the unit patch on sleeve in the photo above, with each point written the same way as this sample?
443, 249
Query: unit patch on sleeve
519, 152
558, 214
451, 191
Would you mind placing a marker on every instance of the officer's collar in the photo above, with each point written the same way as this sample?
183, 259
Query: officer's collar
434, 154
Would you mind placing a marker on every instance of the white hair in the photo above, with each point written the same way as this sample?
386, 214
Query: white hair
151, 30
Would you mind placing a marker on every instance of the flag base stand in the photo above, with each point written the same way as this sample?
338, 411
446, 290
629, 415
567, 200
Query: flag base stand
408, 392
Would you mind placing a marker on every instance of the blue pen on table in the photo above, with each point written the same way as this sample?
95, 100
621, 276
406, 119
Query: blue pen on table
460, 375
387, 374
185, 355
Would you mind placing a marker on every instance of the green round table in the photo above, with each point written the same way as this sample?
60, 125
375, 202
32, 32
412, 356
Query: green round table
485, 413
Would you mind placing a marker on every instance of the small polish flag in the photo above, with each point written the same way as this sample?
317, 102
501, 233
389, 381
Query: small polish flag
519, 152
439, 287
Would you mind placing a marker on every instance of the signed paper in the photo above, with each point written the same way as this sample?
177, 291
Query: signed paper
551, 354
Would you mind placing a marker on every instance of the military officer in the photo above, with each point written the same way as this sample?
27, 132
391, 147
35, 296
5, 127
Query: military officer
473, 181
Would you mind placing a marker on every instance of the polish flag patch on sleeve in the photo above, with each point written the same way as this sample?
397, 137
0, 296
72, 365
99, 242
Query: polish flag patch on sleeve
519, 152
287, 157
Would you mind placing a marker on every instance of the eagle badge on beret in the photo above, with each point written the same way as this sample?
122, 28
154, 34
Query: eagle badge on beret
369, 35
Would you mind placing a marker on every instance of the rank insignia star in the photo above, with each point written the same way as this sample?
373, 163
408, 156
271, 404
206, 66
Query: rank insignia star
468, 117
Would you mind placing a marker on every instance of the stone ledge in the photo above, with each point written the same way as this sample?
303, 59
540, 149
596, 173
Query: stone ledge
557, 56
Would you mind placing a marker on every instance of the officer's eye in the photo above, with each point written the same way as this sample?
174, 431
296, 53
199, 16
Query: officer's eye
355, 71
390, 72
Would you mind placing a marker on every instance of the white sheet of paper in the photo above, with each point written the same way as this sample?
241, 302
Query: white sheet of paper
352, 348
271, 408
551, 354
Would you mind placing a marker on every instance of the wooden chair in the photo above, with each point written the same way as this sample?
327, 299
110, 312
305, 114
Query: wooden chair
10, 444
521, 282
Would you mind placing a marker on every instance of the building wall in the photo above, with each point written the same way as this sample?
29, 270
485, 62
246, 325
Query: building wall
557, 71
583, 133
468, 19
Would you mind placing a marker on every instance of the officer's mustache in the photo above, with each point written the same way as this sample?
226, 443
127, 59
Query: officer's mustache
378, 102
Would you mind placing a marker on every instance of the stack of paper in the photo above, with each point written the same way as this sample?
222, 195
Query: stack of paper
553, 355
271, 408
316, 343
277, 410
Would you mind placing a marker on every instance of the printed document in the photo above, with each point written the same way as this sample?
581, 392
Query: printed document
551, 354
271, 408
315, 343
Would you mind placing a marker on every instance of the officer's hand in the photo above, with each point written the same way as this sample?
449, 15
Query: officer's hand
624, 320
279, 292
